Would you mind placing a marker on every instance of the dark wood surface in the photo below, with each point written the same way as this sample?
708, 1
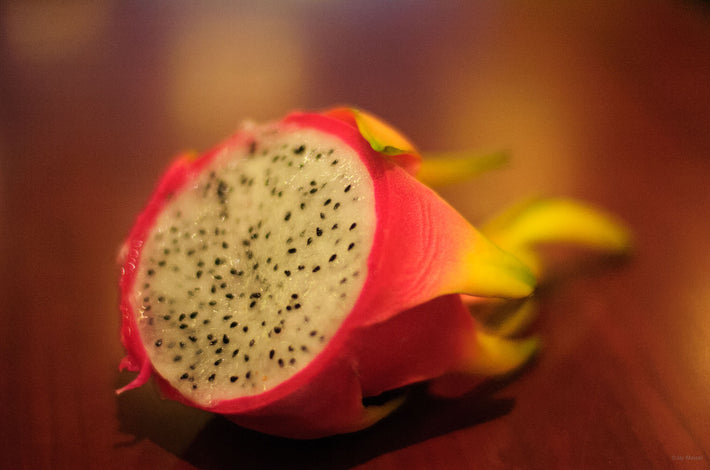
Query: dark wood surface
606, 103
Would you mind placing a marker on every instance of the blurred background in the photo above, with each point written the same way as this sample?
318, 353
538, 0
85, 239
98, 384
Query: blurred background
605, 101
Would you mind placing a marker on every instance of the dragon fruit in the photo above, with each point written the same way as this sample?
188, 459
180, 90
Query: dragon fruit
300, 268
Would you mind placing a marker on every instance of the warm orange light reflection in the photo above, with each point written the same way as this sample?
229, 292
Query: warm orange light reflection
47, 31
225, 69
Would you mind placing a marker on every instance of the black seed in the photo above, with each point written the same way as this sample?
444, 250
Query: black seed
332, 257
193, 314
287, 272
303, 205
218, 350
350, 246
182, 317
287, 216
252, 342
291, 250
252, 304
212, 302
334, 226
211, 378
301, 267
313, 190
281, 362
327, 201
166, 317
347, 188
316, 269
218, 362
177, 359
246, 358
183, 326
204, 322
299, 149
161, 263
217, 261
309, 241
192, 338
223, 285
245, 329
304, 348
289, 308
297, 306
277, 329
225, 245
183, 376
292, 361
229, 296
161, 299
233, 324
225, 339
255, 295
334, 162
233, 378
235, 352
322, 215
159, 343
353, 226
248, 374
271, 354
151, 272
319, 232
313, 333
337, 204
294, 296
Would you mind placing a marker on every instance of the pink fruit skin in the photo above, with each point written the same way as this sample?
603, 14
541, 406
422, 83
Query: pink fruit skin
403, 328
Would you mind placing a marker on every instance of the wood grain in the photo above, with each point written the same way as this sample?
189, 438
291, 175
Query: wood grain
605, 103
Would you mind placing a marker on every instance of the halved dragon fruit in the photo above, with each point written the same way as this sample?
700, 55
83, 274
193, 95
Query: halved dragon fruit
299, 268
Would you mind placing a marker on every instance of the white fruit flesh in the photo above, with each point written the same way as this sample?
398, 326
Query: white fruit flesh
251, 268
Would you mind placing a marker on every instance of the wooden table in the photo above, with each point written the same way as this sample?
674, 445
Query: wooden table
606, 103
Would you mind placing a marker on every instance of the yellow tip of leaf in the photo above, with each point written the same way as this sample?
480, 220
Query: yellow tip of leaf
558, 221
495, 355
437, 170
381, 136
485, 270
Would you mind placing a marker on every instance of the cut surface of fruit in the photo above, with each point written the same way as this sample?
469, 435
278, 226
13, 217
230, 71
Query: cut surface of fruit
254, 263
